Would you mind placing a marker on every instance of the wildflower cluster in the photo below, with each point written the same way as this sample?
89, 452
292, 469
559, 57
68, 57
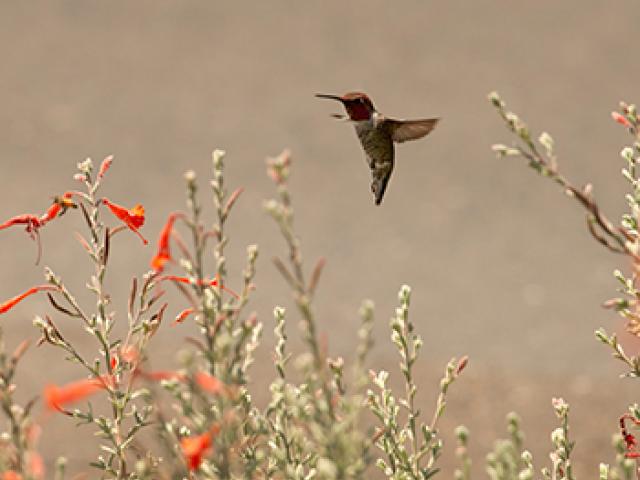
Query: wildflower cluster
18, 447
316, 423
509, 459
200, 420
410, 445
623, 238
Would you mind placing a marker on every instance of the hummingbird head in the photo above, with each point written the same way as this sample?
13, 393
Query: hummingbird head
357, 104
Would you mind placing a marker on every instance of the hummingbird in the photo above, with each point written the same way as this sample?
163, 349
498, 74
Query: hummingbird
377, 134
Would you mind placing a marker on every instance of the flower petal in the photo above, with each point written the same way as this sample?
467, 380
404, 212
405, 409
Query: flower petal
182, 315
57, 397
134, 218
164, 252
621, 119
209, 383
104, 166
12, 302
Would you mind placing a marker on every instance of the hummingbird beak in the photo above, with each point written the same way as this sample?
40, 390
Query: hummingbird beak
337, 116
330, 97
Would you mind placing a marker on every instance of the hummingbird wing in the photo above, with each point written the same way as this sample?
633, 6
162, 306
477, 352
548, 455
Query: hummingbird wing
403, 130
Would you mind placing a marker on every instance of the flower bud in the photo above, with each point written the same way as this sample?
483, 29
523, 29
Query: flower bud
218, 156
627, 154
494, 98
604, 471
526, 474
86, 166
190, 176
557, 437
462, 433
546, 140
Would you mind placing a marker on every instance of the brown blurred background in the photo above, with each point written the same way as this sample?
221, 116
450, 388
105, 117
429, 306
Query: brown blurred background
501, 266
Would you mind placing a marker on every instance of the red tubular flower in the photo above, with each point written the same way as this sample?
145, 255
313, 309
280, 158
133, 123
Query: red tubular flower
31, 221
205, 282
630, 441
56, 397
34, 222
59, 206
134, 218
127, 354
9, 304
52, 213
621, 119
195, 447
209, 383
164, 253
36, 465
182, 315
115, 361
11, 475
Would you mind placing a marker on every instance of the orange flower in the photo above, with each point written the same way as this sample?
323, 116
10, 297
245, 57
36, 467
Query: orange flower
127, 354
52, 213
205, 282
164, 253
621, 119
59, 206
57, 397
209, 383
33, 222
9, 304
134, 218
36, 465
114, 361
182, 315
11, 475
195, 447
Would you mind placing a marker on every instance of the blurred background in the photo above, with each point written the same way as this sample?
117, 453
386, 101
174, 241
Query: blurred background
500, 263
